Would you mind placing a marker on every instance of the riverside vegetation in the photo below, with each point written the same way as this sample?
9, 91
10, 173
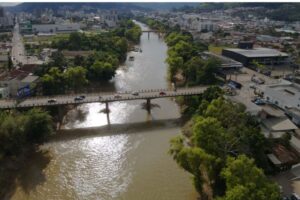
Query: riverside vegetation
222, 145
20, 133
108, 50
223, 148
184, 55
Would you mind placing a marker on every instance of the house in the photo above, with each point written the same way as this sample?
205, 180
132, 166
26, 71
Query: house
274, 122
282, 158
17, 79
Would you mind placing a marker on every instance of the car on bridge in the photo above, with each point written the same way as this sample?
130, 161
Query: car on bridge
117, 96
79, 98
135, 93
52, 101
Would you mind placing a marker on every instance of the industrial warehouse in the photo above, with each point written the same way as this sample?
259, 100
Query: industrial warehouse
247, 55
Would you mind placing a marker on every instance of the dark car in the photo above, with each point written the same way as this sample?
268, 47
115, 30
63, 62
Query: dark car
260, 102
162, 93
51, 100
82, 97
78, 99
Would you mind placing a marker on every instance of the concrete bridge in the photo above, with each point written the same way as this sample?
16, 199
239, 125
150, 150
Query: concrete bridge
61, 100
153, 31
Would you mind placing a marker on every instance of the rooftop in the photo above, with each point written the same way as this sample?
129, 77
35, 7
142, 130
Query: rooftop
258, 52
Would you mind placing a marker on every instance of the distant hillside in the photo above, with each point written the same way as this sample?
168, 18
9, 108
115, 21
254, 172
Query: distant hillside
206, 7
165, 6
29, 7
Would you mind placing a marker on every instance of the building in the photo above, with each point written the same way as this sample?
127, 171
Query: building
274, 122
28, 28
55, 28
4, 92
6, 20
16, 80
264, 56
282, 158
285, 95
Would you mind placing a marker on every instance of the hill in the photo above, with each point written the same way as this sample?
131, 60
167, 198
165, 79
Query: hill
30, 7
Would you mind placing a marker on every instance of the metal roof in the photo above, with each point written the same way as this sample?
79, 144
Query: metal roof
258, 52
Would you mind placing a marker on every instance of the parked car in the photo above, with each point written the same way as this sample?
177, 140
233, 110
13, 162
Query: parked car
82, 96
135, 93
117, 96
162, 93
51, 100
259, 102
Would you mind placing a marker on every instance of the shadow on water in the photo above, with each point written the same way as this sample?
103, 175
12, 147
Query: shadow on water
25, 172
115, 129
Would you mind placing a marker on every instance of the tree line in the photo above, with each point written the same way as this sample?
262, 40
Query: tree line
109, 49
223, 148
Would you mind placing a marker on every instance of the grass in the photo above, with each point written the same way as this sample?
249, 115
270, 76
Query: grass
216, 49
47, 38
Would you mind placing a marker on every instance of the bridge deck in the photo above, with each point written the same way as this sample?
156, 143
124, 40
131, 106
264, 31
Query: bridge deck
94, 97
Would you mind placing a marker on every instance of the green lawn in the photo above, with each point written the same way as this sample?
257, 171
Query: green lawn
216, 49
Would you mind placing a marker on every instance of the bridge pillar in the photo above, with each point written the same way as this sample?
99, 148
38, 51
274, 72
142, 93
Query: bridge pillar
60, 115
148, 35
107, 112
106, 107
148, 105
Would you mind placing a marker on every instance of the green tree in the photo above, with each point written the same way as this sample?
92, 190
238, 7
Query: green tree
76, 77
79, 60
38, 126
244, 181
102, 71
173, 38
53, 82
196, 161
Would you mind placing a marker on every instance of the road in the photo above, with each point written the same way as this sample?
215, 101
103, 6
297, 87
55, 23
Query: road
18, 49
95, 97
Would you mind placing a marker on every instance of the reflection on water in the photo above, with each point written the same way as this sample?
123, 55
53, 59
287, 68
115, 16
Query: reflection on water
127, 160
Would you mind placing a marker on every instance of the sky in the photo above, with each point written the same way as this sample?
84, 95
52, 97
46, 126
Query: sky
9, 4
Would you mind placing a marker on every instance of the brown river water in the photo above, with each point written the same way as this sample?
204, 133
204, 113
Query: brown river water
126, 159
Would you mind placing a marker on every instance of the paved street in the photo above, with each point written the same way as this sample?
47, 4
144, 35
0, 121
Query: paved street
18, 50
100, 97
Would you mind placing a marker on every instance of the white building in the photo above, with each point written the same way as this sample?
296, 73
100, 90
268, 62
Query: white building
55, 28
4, 92
285, 95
